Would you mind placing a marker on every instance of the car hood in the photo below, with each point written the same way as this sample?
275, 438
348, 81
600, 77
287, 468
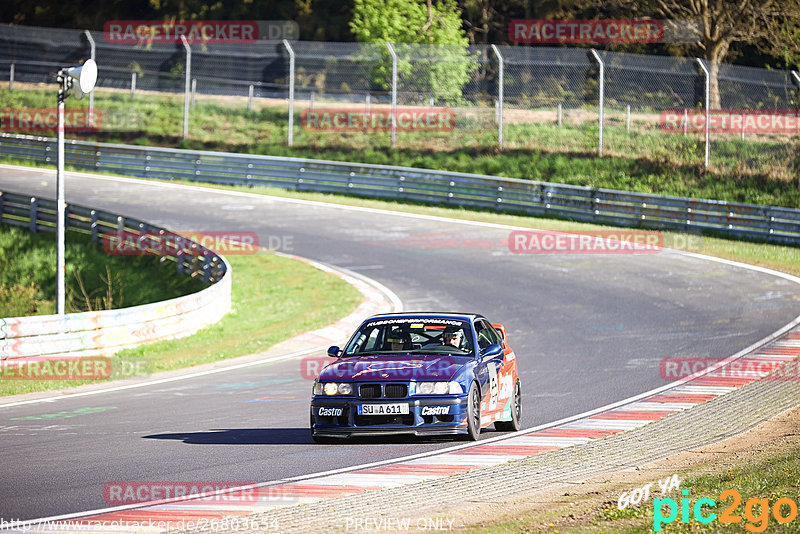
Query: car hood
385, 368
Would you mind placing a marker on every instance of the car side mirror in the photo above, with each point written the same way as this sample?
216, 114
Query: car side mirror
492, 350
334, 351
500, 330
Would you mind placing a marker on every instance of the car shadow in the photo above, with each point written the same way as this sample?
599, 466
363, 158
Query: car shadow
288, 436
240, 436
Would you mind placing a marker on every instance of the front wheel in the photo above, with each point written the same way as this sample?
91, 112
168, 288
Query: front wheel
516, 413
473, 413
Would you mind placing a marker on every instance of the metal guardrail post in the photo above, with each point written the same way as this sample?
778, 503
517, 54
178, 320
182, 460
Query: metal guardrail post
707, 104
602, 100
499, 96
290, 50
394, 93
34, 214
93, 214
187, 86
89, 38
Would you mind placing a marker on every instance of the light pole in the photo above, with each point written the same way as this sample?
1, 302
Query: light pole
79, 80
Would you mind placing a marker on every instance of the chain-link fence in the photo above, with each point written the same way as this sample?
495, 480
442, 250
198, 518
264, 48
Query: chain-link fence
518, 97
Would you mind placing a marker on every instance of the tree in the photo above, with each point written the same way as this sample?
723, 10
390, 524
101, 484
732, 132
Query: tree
443, 70
766, 23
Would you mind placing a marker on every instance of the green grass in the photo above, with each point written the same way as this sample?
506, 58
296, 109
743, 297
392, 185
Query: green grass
28, 275
763, 171
273, 299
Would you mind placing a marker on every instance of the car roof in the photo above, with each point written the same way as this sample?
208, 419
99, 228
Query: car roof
429, 315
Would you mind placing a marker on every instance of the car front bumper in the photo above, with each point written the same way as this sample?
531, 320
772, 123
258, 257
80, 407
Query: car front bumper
331, 417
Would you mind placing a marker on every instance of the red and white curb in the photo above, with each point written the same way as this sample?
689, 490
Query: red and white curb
614, 419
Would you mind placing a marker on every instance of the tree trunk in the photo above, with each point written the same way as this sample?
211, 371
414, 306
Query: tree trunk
714, 101
715, 53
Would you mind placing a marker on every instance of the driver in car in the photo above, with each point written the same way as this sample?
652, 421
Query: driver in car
398, 341
453, 336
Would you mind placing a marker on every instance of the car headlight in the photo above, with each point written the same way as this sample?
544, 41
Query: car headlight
438, 388
332, 388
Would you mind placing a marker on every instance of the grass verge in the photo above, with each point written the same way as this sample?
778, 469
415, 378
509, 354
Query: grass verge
273, 299
762, 170
94, 280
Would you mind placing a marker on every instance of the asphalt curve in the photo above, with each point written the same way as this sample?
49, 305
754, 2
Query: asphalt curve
588, 330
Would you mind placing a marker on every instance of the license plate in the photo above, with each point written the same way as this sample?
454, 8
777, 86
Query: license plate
383, 409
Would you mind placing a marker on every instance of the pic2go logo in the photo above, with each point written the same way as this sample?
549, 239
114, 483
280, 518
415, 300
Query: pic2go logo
756, 511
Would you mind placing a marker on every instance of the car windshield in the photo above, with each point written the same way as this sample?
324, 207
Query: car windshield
411, 335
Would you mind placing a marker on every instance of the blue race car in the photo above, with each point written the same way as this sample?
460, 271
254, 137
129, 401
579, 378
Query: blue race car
419, 374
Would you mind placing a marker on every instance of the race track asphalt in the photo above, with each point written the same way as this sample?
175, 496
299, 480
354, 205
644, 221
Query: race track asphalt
588, 330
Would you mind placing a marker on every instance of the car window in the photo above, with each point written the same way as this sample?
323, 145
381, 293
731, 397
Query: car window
486, 334
412, 335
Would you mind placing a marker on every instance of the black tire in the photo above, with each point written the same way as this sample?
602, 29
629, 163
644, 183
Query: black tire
516, 413
473, 413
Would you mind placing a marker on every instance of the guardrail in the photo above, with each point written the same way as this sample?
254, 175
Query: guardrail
105, 332
587, 204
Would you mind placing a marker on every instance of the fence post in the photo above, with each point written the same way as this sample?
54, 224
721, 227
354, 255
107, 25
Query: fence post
11, 78
89, 38
291, 90
133, 84
628, 118
250, 98
499, 96
394, 93
186, 86
602, 100
707, 103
